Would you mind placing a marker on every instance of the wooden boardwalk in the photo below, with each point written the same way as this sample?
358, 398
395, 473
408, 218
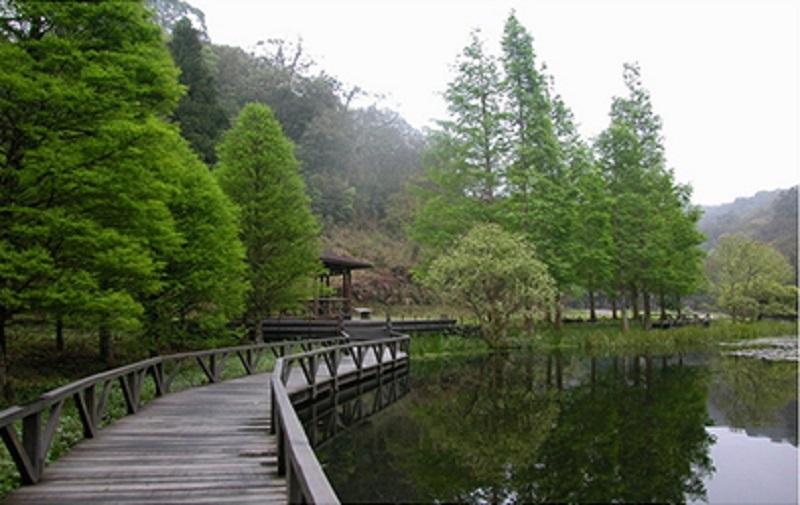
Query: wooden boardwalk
206, 445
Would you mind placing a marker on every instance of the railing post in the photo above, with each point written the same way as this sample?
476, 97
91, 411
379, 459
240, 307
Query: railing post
295, 494
158, 379
273, 418
32, 442
282, 449
87, 409
212, 365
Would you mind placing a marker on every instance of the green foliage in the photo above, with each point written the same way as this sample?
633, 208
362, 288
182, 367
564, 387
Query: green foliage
750, 279
464, 167
199, 114
654, 241
441, 345
205, 277
495, 275
510, 153
541, 200
108, 220
82, 201
258, 171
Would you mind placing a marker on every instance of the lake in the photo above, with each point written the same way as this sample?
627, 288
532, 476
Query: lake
506, 428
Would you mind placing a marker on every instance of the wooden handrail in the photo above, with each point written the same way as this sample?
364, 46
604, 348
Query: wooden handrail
91, 394
306, 480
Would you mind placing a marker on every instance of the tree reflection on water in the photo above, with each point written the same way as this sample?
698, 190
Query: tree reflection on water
524, 428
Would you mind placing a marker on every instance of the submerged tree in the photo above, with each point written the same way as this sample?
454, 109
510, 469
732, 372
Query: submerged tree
495, 275
258, 171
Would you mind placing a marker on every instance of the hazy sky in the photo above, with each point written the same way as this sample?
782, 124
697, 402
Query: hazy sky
723, 74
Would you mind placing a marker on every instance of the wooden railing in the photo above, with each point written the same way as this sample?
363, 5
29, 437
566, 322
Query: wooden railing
323, 369
90, 395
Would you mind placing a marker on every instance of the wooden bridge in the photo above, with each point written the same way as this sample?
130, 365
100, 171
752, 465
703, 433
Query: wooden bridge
232, 441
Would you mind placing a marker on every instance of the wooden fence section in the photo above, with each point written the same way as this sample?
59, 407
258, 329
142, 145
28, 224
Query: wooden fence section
322, 328
28, 431
304, 377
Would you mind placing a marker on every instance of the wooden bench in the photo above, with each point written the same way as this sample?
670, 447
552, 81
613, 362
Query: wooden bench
363, 312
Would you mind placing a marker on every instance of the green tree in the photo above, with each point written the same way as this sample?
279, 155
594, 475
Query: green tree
473, 102
464, 165
82, 206
258, 171
541, 202
655, 245
495, 275
204, 281
750, 279
199, 114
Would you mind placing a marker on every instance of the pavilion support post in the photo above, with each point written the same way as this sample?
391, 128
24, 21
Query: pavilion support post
347, 291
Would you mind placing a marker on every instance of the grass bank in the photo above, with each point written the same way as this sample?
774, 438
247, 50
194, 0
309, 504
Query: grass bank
606, 338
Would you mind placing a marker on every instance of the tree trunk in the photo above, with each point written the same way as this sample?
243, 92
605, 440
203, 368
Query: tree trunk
592, 312
557, 321
559, 372
258, 330
60, 335
635, 303
678, 305
647, 310
614, 309
106, 349
625, 324
662, 303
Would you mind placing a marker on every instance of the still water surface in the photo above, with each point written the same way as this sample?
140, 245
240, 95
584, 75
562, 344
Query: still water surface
568, 428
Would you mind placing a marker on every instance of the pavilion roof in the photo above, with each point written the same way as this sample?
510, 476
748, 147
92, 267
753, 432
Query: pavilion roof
336, 263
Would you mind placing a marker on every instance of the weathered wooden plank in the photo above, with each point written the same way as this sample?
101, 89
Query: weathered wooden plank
203, 445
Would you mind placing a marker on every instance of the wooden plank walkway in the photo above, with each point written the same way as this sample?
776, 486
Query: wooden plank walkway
206, 445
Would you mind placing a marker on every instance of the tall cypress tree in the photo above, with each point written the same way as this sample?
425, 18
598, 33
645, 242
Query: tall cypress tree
199, 113
204, 279
259, 172
465, 162
655, 241
541, 199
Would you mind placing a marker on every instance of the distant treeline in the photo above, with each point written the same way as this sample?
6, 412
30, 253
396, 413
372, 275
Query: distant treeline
355, 160
767, 216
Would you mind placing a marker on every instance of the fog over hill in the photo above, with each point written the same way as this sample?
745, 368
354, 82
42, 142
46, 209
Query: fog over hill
767, 216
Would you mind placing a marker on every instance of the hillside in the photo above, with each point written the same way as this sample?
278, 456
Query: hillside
767, 216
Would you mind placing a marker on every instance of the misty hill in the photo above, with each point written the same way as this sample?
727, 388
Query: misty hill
767, 216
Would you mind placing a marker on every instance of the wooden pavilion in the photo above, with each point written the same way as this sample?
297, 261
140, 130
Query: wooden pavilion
341, 303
